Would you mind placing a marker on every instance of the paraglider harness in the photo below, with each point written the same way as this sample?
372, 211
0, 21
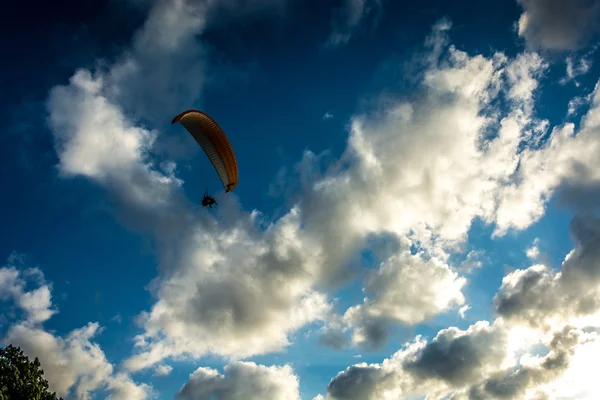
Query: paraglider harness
208, 200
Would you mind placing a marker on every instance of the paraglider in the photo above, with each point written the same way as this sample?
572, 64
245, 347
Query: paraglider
208, 200
216, 146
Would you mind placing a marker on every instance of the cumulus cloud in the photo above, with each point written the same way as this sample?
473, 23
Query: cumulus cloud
418, 178
37, 303
404, 279
242, 380
539, 296
122, 387
73, 365
578, 381
425, 166
533, 372
565, 165
459, 357
557, 24
333, 333
404, 289
100, 118
350, 17
236, 294
483, 362
162, 370
537, 308
424, 184
94, 139
244, 291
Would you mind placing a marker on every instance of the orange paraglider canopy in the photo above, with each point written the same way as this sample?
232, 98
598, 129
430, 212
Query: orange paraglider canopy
215, 144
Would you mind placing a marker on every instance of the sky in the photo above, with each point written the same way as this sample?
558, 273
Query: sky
416, 215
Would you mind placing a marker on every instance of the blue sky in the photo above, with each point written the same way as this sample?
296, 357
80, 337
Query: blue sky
418, 192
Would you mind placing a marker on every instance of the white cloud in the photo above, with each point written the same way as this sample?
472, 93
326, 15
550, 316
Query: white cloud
463, 310
406, 289
425, 169
566, 163
37, 304
242, 380
474, 260
333, 333
537, 308
411, 290
94, 139
327, 116
574, 104
576, 68
235, 293
557, 24
121, 387
539, 296
73, 362
533, 252
533, 372
162, 370
73, 365
481, 362
579, 381
99, 120
244, 291
352, 16
418, 170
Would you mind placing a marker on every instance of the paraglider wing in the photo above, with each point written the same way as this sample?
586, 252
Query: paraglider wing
215, 144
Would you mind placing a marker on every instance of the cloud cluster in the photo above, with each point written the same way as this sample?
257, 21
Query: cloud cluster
557, 24
162, 370
452, 359
37, 303
226, 287
242, 380
565, 165
485, 361
425, 169
235, 293
538, 296
536, 307
406, 289
415, 174
73, 365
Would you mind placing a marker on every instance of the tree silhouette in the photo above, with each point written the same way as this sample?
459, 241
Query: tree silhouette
20, 378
